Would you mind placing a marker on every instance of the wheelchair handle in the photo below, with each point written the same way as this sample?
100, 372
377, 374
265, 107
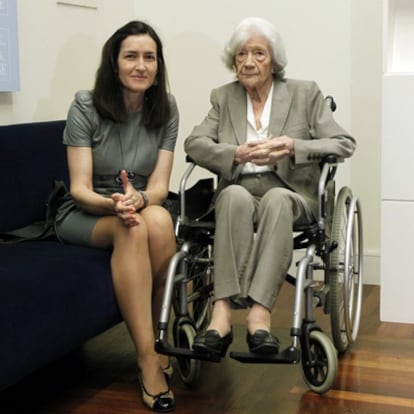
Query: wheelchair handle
331, 102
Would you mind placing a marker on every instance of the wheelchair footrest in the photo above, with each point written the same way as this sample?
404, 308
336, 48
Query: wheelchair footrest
163, 347
290, 355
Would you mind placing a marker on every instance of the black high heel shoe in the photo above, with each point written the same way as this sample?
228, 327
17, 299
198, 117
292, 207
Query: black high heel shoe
262, 342
211, 341
163, 402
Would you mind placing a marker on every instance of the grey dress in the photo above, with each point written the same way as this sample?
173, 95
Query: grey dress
115, 146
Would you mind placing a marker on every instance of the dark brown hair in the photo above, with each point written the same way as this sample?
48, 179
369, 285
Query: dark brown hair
107, 92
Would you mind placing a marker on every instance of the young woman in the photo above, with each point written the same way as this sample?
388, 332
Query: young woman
120, 139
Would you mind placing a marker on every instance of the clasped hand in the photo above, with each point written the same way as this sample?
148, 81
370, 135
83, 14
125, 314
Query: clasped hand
127, 204
266, 151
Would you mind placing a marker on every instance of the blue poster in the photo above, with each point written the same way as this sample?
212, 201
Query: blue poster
9, 47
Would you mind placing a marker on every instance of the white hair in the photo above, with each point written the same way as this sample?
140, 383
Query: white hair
256, 26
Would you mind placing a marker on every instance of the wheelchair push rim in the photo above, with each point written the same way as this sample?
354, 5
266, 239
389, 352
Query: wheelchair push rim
345, 270
353, 273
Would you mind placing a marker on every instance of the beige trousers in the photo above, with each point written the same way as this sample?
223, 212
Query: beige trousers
253, 244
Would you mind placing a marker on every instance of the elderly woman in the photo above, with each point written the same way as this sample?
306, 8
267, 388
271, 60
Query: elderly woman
264, 137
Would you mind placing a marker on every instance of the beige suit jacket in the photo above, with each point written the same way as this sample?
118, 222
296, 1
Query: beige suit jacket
298, 110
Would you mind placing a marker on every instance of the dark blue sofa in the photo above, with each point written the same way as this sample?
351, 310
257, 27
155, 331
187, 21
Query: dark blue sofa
53, 297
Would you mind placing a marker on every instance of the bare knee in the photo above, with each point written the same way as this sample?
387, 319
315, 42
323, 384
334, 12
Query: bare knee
160, 226
133, 236
110, 230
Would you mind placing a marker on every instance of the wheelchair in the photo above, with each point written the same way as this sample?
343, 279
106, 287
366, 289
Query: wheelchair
333, 244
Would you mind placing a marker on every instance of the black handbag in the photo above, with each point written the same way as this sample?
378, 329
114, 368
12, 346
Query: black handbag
42, 229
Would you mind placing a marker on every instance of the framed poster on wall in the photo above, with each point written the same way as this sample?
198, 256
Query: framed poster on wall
9, 47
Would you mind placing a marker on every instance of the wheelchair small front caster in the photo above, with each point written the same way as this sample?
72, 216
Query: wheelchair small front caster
320, 362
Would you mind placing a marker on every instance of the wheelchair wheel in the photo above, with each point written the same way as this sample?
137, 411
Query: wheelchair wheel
320, 365
188, 368
200, 276
345, 270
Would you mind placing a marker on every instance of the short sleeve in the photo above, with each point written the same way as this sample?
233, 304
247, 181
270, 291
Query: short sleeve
81, 121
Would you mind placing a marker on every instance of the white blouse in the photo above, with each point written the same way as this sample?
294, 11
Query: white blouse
253, 134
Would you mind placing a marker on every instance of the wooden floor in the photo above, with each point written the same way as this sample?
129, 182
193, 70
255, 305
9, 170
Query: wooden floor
375, 376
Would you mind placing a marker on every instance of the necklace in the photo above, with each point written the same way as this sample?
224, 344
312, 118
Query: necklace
130, 174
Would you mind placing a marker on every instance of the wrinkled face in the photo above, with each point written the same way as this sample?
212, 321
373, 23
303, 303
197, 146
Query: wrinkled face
137, 62
253, 62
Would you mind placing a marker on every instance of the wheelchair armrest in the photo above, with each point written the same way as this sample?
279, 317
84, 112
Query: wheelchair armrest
328, 165
330, 158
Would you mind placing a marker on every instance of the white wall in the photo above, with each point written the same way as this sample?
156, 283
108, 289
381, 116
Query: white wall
334, 42
366, 109
397, 191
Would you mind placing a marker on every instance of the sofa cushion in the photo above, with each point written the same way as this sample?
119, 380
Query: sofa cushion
53, 297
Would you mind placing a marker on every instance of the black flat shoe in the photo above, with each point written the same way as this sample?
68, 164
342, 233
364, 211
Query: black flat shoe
262, 342
163, 402
211, 341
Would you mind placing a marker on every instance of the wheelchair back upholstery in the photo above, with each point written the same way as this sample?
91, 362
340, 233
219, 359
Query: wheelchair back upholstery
198, 198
